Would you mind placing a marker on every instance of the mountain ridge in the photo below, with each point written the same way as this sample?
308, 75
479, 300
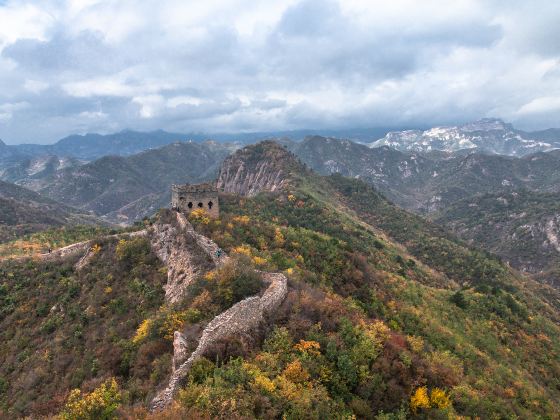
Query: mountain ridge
490, 135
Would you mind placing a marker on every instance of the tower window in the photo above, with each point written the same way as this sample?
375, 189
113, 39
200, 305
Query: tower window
210, 204
190, 205
200, 205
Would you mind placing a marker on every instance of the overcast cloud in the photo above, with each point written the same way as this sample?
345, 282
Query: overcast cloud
101, 66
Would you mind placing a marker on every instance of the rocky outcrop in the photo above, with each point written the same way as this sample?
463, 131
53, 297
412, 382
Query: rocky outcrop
241, 318
552, 232
186, 253
261, 167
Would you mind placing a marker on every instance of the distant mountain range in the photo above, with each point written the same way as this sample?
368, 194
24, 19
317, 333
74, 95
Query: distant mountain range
129, 142
124, 189
23, 211
456, 176
488, 135
428, 182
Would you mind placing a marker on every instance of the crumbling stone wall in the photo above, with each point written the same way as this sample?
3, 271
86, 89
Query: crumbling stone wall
186, 253
241, 318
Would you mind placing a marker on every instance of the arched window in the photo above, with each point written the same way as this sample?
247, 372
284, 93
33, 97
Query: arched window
190, 205
200, 205
210, 204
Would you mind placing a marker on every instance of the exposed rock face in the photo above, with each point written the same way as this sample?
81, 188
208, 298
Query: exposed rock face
180, 350
552, 231
241, 318
488, 135
186, 253
255, 168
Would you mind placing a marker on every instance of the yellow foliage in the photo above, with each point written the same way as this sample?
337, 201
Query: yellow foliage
211, 275
310, 347
290, 270
202, 301
377, 331
299, 259
243, 250
101, 403
173, 322
439, 399
278, 237
142, 331
509, 392
419, 399
291, 197
200, 215
416, 343
264, 383
96, 248
120, 250
108, 290
295, 372
259, 260
243, 220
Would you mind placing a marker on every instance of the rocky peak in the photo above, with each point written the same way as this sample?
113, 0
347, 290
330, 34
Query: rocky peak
264, 166
486, 124
489, 135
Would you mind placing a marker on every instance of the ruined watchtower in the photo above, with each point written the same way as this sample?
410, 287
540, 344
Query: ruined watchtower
187, 198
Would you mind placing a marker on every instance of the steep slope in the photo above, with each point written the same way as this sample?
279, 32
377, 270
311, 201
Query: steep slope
429, 263
261, 167
398, 175
521, 226
23, 211
124, 189
35, 173
429, 182
502, 204
487, 135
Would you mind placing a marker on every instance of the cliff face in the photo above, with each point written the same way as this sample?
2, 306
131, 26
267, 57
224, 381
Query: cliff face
261, 167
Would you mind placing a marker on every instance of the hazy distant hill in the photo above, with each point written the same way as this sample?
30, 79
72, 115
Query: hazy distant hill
126, 188
521, 226
33, 172
24, 211
128, 142
426, 182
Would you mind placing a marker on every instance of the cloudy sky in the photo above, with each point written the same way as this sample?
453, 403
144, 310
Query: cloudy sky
258, 65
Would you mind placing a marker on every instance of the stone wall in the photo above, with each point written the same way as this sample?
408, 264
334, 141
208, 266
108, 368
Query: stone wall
241, 318
186, 253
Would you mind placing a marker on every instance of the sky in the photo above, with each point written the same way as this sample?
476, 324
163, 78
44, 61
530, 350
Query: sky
80, 66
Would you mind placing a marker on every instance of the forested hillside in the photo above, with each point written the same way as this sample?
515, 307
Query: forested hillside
386, 315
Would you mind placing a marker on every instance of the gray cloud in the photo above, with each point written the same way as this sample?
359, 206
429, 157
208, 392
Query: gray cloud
109, 65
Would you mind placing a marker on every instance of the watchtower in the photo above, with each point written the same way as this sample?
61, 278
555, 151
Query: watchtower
187, 198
